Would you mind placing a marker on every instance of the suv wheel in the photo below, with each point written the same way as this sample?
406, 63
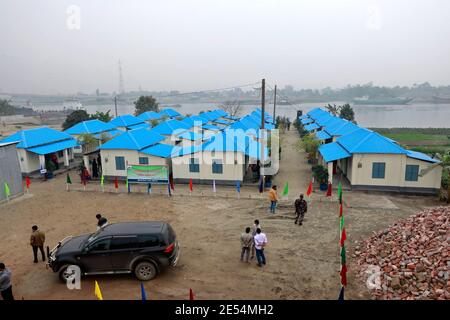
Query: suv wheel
64, 274
145, 271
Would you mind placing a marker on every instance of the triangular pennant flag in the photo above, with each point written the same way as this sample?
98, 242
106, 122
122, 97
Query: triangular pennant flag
116, 183
343, 256
27, 182
68, 180
172, 185
286, 190
238, 186
341, 294
143, 294
191, 294
341, 223
7, 191
97, 291
340, 210
329, 190
214, 186
340, 192
343, 274
191, 187
126, 183
343, 237
102, 180
310, 187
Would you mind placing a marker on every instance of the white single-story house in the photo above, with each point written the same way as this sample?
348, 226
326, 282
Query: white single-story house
42, 148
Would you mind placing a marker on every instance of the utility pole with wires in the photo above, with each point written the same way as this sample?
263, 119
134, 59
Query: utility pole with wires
274, 101
115, 104
261, 131
263, 102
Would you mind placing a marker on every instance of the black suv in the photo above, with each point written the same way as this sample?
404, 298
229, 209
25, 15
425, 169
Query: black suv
142, 248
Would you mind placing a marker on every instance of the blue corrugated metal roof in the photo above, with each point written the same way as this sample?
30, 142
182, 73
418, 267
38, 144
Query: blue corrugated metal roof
331, 121
139, 126
304, 116
211, 115
306, 121
316, 113
149, 115
221, 112
133, 140
200, 119
36, 137
221, 121
420, 156
181, 151
366, 141
341, 128
90, 126
170, 113
211, 127
159, 150
333, 151
54, 147
311, 127
324, 118
125, 120
189, 135
253, 150
226, 141
322, 135
109, 134
171, 126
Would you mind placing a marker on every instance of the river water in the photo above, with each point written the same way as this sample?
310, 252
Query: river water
392, 116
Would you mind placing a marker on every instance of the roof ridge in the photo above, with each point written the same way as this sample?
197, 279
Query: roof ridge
362, 140
134, 140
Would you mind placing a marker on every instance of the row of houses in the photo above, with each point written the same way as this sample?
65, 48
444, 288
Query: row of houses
366, 160
209, 146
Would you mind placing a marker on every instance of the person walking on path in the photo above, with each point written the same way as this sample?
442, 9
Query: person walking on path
273, 197
37, 240
101, 221
246, 244
256, 225
260, 243
5, 283
301, 206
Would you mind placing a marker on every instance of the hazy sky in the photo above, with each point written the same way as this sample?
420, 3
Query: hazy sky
64, 46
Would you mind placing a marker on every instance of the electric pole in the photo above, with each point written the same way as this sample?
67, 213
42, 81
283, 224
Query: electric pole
274, 101
115, 104
263, 102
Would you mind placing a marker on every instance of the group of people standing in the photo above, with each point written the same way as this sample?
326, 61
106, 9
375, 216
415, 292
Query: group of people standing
253, 243
300, 204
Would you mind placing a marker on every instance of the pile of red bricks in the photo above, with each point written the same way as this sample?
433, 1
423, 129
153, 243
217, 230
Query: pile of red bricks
409, 260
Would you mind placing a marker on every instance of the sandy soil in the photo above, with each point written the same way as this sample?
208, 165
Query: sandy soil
303, 262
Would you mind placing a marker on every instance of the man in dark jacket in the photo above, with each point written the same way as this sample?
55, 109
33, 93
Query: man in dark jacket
301, 206
37, 240
5, 283
101, 221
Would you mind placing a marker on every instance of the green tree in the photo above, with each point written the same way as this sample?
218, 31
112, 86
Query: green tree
333, 109
6, 109
102, 116
75, 117
144, 104
346, 112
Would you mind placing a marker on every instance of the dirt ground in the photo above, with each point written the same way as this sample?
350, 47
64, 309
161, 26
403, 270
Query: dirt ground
302, 261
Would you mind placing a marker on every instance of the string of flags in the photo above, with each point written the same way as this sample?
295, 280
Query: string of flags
342, 238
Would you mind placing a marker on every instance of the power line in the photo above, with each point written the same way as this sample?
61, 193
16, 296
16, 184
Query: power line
284, 98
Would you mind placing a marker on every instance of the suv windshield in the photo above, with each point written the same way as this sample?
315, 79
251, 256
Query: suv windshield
94, 236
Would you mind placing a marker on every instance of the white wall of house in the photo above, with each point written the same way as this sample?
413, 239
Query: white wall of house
131, 157
395, 167
233, 166
29, 161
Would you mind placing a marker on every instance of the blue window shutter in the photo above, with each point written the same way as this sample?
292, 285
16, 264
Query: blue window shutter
412, 172
120, 163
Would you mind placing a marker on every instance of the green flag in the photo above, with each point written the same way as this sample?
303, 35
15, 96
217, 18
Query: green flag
68, 181
7, 191
126, 183
341, 224
340, 192
286, 190
343, 257
102, 180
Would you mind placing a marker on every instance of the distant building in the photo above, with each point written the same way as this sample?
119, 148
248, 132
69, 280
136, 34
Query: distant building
10, 170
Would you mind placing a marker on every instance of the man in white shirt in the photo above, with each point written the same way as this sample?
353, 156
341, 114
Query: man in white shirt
256, 225
260, 240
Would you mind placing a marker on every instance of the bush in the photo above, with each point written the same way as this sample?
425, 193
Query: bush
320, 173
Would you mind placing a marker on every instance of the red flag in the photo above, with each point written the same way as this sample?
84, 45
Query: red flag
343, 237
27, 181
172, 186
116, 183
191, 294
191, 187
329, 190
340, 210
343, 274
309, 191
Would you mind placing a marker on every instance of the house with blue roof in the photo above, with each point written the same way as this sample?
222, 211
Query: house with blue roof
170, 129
42, 148
169, 113
149, 116
124, 122
100, 130
225, 158
366, 160
139, 146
